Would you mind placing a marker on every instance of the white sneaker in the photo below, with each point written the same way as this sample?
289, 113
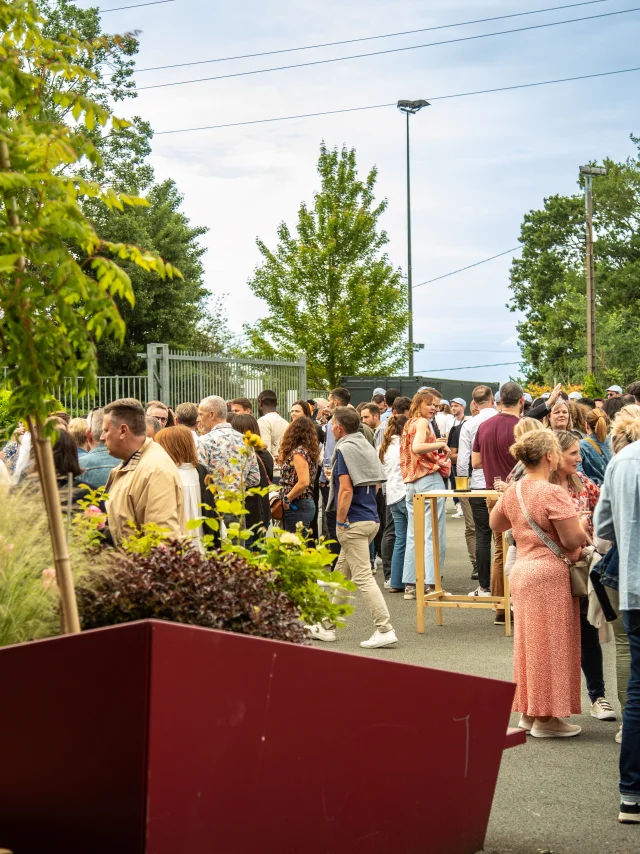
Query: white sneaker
602, 710
318, 632
618, 735
480, 591
387, 584
458, 514
378, 562
554, 728
410, 591
380, 639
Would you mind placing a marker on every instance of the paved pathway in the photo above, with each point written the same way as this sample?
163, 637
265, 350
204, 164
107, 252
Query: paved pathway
553, 796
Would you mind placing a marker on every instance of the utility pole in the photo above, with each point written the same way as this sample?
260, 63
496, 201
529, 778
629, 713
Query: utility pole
410, 108
589, 172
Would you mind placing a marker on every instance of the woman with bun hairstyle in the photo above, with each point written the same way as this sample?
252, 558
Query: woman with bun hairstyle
595, 449
546, 661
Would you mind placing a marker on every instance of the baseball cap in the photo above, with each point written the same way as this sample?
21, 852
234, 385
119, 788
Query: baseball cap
615, 388
527, 397
445, 402
496, 397
546, 395
460, 400
575, 395
379, 391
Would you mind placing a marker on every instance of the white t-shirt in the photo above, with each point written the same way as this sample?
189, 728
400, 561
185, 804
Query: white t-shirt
445, 422
396, 487
191, 499
272, 427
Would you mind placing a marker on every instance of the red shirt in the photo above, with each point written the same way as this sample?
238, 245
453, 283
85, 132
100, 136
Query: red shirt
493, 440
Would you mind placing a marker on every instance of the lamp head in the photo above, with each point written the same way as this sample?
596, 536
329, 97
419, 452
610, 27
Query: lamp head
412, 106
593, 170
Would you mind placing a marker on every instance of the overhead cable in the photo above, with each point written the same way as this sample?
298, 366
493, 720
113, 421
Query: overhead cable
393, 104
135, 6
368, 38
468, 267
387, 51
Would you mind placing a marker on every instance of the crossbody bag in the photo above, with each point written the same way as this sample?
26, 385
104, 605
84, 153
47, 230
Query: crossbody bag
578, 571
593, 445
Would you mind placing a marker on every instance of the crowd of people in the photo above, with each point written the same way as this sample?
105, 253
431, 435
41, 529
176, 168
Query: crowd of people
564, 471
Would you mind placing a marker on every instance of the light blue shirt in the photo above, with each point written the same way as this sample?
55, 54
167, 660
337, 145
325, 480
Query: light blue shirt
385, 415
617, 517
329, 445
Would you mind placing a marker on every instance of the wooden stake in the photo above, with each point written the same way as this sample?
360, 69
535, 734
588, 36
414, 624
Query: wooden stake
62, 563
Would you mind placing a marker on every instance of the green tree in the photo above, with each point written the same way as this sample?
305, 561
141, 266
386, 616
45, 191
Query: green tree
330, 289
58, 278
175, 312
548, 282
168, 311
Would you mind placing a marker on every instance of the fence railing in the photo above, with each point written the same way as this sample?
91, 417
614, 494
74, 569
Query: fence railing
179, 377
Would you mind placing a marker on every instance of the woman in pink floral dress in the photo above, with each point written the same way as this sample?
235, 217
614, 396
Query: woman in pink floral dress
546, 664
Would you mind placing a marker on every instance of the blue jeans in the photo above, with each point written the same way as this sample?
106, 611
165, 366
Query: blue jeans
429, 483
630, 752
399, 514
306, 510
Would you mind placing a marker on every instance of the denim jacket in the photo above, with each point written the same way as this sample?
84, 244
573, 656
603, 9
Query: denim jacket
609, 568
594, 461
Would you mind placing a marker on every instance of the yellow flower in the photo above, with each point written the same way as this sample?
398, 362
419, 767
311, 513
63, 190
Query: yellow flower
252, 440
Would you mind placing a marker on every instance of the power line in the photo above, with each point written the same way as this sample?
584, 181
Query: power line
380, 106
468, 267
136, 6
389, 50
465, 367
368, 38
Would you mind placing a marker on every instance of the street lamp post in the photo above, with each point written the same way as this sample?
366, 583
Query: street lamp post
589, 172
410, 108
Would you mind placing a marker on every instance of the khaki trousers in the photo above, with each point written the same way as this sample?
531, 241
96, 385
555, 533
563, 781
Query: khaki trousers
469, 530
497, 567
354, 563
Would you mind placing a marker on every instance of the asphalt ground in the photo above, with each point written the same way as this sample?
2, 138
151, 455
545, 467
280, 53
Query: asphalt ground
554, 796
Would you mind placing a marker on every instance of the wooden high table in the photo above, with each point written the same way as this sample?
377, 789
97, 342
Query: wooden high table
438, 599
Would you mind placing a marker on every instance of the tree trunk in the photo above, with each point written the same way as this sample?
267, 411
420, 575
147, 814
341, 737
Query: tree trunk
70, 622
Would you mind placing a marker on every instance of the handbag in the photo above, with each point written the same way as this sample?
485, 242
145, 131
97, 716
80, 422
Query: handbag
578, 571
277, 507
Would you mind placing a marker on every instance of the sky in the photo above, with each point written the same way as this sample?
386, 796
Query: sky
478, 164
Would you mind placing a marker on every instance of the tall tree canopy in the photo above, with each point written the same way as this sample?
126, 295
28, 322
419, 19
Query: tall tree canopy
176, 312
548, 281
330, 289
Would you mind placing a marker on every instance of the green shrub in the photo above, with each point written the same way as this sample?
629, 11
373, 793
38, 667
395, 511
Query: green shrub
7, 423
176, 582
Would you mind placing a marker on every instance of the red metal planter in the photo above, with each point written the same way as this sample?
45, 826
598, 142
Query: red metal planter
157, 738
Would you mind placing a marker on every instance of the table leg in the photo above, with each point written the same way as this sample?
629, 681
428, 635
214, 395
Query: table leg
507, 590
435, 545
418, 540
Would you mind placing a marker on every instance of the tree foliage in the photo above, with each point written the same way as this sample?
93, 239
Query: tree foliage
548, 282
176, 312
330, 289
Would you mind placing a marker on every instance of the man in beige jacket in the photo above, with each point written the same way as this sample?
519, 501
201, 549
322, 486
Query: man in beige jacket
145, 487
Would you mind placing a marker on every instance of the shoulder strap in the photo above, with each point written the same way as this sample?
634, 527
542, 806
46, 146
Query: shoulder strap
264, 469
593, 444
555, 548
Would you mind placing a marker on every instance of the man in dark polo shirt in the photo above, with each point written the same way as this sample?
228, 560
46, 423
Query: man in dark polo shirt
491, 453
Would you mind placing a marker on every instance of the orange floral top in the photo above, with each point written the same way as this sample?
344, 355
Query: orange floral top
414, 466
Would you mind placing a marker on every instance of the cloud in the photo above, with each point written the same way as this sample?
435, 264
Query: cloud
478, 163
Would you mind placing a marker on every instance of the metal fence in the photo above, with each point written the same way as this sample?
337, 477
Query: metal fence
176, 377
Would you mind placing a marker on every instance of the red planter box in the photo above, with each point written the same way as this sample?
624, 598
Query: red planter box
157, 738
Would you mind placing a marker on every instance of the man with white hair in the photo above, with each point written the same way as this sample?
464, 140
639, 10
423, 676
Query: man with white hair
219, 448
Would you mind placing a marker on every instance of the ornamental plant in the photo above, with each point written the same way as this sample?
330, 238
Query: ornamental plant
175, 582
58, 279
